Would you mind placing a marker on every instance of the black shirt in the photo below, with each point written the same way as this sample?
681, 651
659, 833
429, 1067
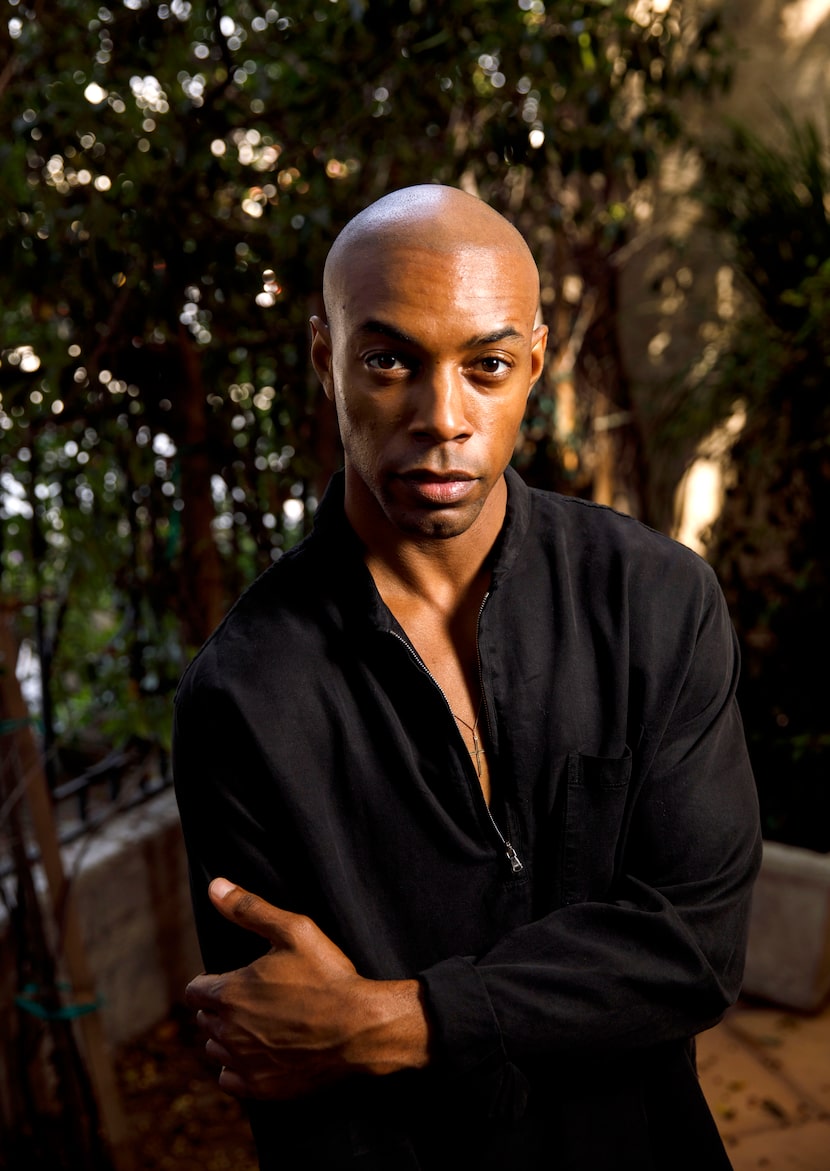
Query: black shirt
318, 764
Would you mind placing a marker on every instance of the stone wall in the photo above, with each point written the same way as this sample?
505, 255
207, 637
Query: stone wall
133, 902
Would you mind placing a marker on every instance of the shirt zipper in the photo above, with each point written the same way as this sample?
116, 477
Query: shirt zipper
514, 861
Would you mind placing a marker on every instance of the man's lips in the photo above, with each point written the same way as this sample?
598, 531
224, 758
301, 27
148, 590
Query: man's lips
438, 487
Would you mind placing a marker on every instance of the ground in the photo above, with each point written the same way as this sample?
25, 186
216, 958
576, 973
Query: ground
178, 1118
765, 1072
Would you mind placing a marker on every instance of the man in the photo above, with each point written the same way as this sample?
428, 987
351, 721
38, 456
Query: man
468, 810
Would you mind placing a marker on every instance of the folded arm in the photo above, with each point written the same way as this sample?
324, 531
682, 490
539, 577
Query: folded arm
300, 1017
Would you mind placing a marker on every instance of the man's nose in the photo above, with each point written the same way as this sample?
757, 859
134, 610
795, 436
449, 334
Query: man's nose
440, 405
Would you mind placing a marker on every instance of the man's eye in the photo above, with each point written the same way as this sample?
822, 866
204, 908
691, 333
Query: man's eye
493, 365
384, 362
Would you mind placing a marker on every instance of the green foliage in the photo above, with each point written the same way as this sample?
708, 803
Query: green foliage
171, 177
771, 547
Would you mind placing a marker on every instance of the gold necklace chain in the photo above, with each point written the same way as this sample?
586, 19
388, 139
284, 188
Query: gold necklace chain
477, 751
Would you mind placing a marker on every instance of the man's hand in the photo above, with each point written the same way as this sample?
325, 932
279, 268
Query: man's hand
301, 1017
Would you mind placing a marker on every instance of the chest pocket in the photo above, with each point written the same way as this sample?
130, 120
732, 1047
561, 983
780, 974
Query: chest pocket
595, 801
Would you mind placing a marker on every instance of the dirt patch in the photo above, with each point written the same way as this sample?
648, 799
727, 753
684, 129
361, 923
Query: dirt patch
178, 1118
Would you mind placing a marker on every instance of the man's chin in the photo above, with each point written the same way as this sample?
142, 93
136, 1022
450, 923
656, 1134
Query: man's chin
432, 524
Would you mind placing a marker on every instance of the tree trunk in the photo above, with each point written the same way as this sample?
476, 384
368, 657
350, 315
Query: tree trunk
202, 602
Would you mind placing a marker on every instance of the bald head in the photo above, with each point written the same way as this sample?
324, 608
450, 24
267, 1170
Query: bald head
430, 217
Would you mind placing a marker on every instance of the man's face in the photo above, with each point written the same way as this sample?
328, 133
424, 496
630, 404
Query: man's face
429, 357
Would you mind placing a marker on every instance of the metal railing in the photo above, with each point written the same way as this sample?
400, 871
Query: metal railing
122, 780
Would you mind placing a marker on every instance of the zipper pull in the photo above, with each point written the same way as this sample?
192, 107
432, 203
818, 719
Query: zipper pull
513, 858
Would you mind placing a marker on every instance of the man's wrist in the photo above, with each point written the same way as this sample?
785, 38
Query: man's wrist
393, 1032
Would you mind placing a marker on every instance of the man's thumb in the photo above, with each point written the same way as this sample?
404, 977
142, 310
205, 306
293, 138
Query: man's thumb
245, 909
219, 889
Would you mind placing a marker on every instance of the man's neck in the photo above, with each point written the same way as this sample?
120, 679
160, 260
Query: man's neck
435, 587
443, 570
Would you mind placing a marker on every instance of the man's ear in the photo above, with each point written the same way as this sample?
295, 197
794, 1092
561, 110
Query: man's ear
538, 346
321, 354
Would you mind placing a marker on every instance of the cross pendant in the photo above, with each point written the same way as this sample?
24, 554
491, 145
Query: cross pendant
477, 752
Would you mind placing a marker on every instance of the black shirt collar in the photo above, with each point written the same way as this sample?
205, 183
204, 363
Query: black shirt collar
339, 550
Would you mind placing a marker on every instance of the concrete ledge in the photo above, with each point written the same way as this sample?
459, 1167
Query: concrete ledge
788, 959
130, 879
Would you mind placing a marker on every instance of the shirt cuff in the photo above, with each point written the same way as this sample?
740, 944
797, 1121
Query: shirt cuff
467, 1045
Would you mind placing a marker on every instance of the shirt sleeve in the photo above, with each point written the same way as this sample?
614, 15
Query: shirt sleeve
228, 816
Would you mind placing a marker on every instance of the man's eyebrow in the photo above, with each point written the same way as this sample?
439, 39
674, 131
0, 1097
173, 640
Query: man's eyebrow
489, 339
399, 335
389, 331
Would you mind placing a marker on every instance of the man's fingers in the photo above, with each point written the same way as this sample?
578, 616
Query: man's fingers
217, 1053
249, 910
203, 1020
233, 1084
204, 993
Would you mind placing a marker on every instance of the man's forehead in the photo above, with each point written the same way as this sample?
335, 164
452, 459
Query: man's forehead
441, 252
409, 269
377, 327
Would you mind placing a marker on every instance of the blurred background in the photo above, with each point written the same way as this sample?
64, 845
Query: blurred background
171, 178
